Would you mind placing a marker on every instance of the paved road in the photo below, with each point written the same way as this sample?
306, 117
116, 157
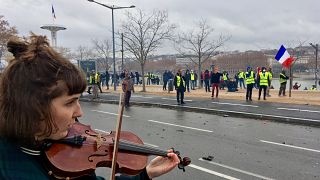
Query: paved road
242, 148
305, 114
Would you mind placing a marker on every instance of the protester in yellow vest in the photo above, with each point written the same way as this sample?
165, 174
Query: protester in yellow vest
283, 83
270, 74
180, 85
249, 76
241, 79
98, 80
263, 80
193, 80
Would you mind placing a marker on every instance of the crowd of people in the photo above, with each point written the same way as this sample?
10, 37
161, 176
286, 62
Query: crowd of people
212, 81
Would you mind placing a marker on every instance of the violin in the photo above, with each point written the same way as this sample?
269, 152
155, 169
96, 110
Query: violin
83, 150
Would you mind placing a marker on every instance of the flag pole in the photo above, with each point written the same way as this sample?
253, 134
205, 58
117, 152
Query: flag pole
291, 78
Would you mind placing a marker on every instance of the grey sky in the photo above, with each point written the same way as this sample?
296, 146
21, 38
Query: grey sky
253, 24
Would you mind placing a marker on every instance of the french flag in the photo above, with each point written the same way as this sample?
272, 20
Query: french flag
283, 57
53, 13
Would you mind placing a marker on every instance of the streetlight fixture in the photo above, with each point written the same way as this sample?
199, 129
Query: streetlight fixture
316, 68
113, 43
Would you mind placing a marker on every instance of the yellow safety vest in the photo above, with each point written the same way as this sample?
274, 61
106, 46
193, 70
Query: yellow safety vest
192, 76
241, 75
178, 81
270, 75
97, 78
282, 80
263, 79
91, 79
224, 76
250, 79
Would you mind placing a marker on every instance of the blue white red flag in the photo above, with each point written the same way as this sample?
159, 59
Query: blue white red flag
283, 57
53, 14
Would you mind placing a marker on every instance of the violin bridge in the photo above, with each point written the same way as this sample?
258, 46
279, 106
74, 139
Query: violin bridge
98, 141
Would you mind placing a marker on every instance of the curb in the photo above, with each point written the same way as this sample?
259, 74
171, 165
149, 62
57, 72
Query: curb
258, 116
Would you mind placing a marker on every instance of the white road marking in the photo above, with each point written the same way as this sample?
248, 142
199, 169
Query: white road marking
213, 172
301, 110
257, 114
109, 113
146, 97
236, 169
232, 104
176, 99
286, 145
187, 127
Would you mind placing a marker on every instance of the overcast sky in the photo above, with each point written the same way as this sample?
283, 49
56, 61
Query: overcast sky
253, 24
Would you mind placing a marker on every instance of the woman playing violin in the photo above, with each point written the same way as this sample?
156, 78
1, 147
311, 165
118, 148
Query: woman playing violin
39, 101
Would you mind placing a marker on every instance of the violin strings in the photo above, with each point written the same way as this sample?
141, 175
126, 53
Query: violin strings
143, 148
132, 146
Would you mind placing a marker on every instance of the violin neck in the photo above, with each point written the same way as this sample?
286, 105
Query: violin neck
140, 148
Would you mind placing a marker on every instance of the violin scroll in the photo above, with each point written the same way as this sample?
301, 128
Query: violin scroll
183, 161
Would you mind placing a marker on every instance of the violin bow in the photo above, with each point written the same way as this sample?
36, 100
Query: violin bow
117, 135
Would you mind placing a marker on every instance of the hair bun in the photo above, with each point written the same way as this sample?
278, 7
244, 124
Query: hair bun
16, 46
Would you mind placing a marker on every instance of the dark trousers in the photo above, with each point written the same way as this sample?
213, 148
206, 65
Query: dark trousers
282, 89
215, 86
107, 83
180, 95
193, 84
164, 85
206, 82
99, 86
127, 98
241, 82
249, 91
188, 86
264, 91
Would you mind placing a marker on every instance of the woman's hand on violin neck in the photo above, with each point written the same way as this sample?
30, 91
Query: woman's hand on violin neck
161, 165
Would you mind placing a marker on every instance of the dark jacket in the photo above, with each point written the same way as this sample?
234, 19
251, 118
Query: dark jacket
215, 77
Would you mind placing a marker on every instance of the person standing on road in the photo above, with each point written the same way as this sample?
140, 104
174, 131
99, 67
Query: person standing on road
127, 87
193, 80
241, 79
263, 80
43, 109
107, 79
249, 77
207, 80
283, 83
180, 85
165, 78
215, 80
187, 78
98, 81
270, 74
91, 82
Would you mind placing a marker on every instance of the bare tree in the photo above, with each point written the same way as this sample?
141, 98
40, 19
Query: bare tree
144, 33
199, 43
84, 53
103, 51
6, 31
65, 52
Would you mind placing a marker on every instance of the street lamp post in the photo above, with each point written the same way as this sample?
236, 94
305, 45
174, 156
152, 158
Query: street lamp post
113, 43
316, 67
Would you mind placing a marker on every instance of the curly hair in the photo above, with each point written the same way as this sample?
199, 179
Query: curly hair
35, 76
